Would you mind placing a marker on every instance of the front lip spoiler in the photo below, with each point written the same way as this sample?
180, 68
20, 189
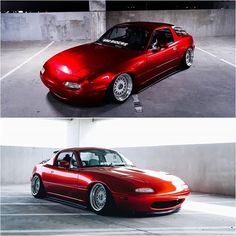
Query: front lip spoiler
165, 212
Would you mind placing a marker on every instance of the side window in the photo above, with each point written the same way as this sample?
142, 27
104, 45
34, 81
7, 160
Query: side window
89, 159
67, 156
162, 36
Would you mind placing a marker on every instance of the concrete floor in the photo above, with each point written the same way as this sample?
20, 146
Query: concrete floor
202, 214
207, 89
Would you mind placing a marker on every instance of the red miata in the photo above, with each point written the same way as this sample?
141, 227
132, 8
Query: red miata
103, 179
124, 59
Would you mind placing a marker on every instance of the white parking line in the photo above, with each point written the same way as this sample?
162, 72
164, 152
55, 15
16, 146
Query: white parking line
218, 230
134, 232
30, 58
228, 62
214, 209
213, 55
48, 214
17, 196
29, 203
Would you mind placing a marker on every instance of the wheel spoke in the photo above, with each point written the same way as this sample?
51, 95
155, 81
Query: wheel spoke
98, 197
35, 186
189, 57
122, 87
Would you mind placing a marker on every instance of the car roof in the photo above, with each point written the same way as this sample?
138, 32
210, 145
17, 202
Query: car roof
77, 149
148, 25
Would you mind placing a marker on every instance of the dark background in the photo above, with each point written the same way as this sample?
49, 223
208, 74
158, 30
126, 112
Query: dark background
70, 6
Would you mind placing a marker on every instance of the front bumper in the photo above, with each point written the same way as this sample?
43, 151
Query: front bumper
88, 93
150, 202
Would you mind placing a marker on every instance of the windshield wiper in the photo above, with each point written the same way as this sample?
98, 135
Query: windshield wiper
117, 164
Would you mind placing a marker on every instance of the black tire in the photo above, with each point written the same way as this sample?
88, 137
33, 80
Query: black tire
96, 201
37, 188
187, 60
120, 89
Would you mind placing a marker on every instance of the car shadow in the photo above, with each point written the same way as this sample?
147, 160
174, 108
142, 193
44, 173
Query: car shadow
114, 212
85, 109
127, 214
67, 109
159, 79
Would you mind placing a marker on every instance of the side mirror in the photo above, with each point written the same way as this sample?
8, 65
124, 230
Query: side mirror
64, 164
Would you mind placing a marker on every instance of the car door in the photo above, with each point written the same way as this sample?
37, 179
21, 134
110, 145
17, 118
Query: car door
88, 160
162, 52
60, 180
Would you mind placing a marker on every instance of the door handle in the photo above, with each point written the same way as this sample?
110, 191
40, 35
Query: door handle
52, 171
174, 48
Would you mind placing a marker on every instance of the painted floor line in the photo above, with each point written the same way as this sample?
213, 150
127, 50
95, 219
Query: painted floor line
213, 55
22, 64
48, 214
29, 203
226, 211
228, 62
126, 229
136, 232
18, 196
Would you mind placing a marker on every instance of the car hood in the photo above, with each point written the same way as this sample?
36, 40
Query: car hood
162, 181
148, 176
86, 60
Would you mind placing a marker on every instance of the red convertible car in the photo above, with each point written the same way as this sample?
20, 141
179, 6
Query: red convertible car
125, 58
103, 179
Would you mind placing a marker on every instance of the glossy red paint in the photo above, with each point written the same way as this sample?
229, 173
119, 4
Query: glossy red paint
121, 181
94, 65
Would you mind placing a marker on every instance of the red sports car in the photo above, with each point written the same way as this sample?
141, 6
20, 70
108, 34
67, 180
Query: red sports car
124, 59
102, 179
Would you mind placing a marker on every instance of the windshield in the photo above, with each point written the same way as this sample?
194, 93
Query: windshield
103, 158
126, 36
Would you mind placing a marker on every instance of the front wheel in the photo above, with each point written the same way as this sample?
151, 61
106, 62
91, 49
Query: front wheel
188, 58
100, 199
121, 88
37, 188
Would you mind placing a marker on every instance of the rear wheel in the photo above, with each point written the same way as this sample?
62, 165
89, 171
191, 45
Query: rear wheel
100, 199
188, 58
37, 188
121, 88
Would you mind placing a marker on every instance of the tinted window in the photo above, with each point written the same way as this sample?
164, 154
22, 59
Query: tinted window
162, 36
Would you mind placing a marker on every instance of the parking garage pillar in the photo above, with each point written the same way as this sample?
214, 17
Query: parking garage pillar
98, 18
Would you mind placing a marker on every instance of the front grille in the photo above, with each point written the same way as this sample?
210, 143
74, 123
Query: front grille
166, 204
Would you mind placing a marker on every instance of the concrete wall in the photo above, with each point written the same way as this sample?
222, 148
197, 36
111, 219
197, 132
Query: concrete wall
61, 26
207, 168
98, 18
57, 26
212, 22
17, 162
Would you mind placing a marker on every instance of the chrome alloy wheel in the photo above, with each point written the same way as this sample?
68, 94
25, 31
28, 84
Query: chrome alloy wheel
189, 57
35, 185
122, 87
98, 197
